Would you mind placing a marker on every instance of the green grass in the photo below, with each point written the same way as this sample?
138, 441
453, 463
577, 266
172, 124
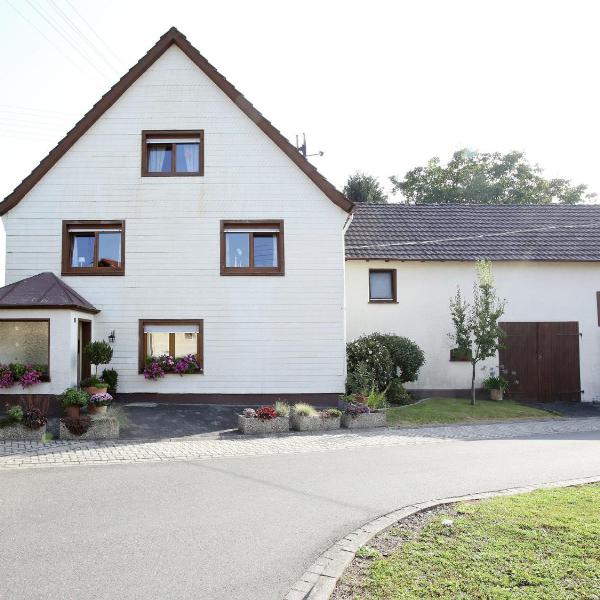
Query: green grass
458, 410
544, 545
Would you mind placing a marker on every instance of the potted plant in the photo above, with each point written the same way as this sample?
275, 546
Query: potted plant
305, 417
496, 385
98, 403
72, 401
359, 416
262, 420
98, 353
111, 377
19, 424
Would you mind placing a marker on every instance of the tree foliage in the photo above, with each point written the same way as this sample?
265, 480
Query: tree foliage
485, 178
364, 188
476, 330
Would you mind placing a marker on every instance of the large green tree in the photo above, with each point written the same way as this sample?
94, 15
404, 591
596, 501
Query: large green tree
364, 188
485, 178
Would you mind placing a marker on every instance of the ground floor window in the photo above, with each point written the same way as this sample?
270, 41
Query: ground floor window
175, 345
26, 342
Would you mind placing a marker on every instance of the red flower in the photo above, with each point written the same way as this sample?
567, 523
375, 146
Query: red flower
266, 413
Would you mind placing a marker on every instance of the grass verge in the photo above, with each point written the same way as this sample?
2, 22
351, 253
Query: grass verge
542, 545
459, 410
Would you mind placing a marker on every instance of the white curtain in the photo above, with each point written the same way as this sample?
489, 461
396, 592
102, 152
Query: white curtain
156, 156
190, 153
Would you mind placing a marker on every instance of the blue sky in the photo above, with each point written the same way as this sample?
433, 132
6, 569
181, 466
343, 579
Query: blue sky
378, 86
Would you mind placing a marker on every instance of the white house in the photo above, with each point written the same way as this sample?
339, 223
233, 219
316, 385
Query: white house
175, 219
405, 262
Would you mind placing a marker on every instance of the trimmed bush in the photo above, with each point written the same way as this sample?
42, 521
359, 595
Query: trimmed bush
111, 377
407, 357
369, 363
98, 353
397, 393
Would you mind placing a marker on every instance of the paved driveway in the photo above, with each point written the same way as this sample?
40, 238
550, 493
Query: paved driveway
244, 527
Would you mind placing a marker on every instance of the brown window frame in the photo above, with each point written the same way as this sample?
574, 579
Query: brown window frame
394, 299
169, 134
45, 376
255, 224
67, 269
142, 347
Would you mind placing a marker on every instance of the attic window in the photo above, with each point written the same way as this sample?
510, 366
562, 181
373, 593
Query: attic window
172, 153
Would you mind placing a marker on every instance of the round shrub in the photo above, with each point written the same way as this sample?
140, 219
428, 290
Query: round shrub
406, 356
73, 397
397, 393
98, 353
368, 359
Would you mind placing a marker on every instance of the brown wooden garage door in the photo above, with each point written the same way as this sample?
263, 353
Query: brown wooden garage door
541, 360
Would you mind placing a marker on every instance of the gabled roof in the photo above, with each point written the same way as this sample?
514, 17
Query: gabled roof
470, 232
44, 290
173, 36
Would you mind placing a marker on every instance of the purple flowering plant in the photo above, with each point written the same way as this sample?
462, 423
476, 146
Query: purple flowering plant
354, 410
6, 377
103, 399
157, 367
26, 375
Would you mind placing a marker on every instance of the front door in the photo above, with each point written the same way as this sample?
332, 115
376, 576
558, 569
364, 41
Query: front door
84, 337
541, 360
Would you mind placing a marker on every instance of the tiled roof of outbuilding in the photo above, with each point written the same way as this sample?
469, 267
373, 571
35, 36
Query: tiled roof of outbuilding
472, 232
44, 290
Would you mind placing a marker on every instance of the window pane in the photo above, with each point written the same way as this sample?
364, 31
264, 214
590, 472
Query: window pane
186, 343
381, 286
265, 250
159, 158
237, 250
82, 250
109, 249
157, 344
187, 158
24, 342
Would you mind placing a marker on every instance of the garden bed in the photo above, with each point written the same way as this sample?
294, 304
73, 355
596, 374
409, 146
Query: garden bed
20, 432
101, 428
535, 545
365, 420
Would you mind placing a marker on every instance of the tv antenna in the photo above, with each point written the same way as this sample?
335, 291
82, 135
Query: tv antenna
302, 148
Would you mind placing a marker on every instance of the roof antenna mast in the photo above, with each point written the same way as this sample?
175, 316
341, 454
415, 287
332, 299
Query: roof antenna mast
302, 148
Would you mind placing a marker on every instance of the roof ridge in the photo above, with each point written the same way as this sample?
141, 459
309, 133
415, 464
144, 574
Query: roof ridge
172, 36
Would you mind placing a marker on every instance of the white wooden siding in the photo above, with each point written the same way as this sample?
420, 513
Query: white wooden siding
262, 334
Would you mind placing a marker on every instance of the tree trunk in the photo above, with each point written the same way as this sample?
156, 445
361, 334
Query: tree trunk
473, 384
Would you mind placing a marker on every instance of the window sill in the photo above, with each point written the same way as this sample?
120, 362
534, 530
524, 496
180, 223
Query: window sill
383, 301
246, 273
101, 273
197, 174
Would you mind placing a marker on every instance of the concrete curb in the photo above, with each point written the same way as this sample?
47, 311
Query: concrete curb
320, 579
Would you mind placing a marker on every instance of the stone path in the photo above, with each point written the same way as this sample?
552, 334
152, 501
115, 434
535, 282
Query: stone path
62, 453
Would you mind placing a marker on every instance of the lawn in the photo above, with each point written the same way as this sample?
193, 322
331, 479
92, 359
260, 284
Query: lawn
458, 410
540, 545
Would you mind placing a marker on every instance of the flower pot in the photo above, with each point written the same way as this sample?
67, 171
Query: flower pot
318, 423
96, 390
73, 411
96, 410
496, 395
253, 426
362, 421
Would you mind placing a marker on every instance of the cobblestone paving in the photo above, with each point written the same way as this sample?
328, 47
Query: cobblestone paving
62, 453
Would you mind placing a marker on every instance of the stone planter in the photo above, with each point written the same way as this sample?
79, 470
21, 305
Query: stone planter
496, 395
96, 410
20, 432
253, 426
101, 428
302, 423
372, 419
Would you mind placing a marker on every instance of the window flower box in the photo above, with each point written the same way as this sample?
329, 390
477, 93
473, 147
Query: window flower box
364, 420
18, 431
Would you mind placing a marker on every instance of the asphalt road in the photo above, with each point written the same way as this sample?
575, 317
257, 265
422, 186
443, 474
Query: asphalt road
243, 528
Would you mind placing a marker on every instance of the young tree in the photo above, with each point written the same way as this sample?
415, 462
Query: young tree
476, 331
485, 178
364, 188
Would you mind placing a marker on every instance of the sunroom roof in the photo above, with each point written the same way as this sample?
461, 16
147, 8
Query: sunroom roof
44, 290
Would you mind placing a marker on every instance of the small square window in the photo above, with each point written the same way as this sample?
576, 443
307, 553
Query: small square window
172, 153
93, 248
382, 285
252, 248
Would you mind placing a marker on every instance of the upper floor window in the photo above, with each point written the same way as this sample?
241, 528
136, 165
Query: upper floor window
252, 248
93, 248
172, 153
382, 285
